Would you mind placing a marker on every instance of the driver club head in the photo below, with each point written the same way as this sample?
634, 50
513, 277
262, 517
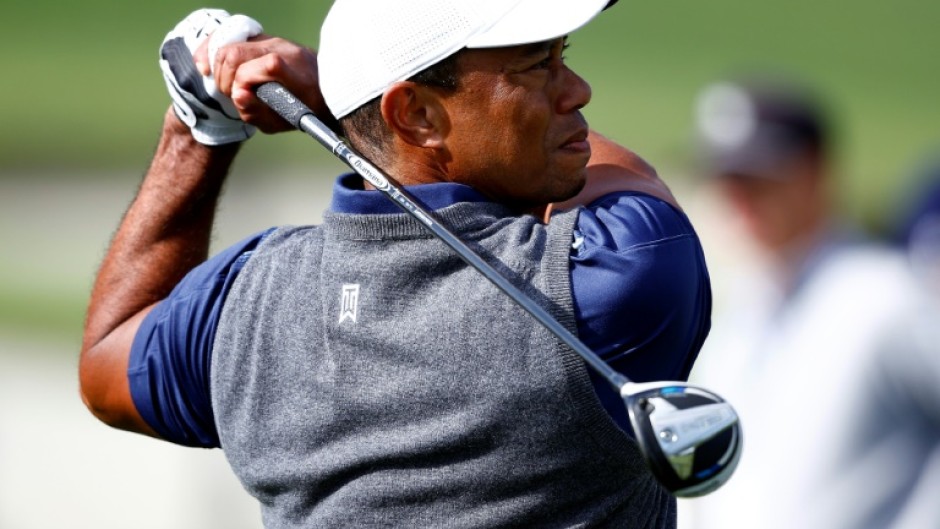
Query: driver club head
690, 437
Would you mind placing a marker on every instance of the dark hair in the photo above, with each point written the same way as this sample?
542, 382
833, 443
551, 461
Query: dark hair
443, 75
367, 131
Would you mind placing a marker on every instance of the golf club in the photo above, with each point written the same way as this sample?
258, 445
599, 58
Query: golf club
690, 437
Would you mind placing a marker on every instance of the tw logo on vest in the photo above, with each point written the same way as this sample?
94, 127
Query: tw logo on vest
349, 304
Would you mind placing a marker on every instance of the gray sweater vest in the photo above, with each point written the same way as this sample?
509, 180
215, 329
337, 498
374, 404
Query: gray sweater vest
365, 376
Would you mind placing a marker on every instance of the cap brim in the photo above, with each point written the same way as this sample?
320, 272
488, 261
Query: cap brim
762, 156
752, 164
537, 21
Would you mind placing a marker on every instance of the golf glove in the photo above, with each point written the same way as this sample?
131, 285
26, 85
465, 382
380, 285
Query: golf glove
197, 101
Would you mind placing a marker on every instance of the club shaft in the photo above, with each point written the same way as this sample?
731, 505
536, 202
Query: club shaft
304, 119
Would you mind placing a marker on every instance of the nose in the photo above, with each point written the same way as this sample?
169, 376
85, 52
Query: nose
575, 92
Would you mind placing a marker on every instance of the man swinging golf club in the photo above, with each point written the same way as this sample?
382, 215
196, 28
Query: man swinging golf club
359, 373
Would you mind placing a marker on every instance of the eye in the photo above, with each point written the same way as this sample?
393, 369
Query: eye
543, 64
546, 63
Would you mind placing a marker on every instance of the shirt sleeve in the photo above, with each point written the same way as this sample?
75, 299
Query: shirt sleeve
169, 362
641, 289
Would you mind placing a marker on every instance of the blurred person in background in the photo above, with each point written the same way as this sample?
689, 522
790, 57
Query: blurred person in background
890, 459
891, 448
917, 229
803, 335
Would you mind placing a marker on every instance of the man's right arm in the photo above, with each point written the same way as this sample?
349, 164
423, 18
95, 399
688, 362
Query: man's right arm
164, 234
166, 231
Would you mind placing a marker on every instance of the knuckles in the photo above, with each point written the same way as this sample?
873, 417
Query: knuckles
240, 67
272, 56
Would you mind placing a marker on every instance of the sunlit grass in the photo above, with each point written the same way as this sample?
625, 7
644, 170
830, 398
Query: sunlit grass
82, 91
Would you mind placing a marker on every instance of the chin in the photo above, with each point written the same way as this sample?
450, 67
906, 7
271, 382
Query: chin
570, 191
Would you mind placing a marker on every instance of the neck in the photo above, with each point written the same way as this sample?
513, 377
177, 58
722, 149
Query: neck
413, 168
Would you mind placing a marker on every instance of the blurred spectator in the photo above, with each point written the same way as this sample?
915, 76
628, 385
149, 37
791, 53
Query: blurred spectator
918, 230
805, 343
892, 442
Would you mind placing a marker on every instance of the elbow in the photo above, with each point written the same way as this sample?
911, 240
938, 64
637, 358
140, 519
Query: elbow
105, 391
103, 377
94, 388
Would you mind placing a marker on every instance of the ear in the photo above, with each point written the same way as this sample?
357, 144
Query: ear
415, 114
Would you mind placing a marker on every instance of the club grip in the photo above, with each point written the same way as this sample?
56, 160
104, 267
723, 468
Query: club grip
283, 102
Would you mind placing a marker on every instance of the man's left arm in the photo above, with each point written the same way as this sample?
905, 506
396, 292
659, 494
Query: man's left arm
614, 168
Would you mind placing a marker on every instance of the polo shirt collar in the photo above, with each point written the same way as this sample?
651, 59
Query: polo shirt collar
350, 197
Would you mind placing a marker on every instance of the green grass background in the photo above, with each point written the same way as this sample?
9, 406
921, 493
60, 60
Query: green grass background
82, 93
81, 86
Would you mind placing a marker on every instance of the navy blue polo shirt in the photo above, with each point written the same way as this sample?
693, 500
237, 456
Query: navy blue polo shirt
640, 286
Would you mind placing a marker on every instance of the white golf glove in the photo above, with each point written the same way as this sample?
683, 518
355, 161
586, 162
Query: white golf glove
210, 114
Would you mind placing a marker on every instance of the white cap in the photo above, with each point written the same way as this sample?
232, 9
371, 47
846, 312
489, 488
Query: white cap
367, 45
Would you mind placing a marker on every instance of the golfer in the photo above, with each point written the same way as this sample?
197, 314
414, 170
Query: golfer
358, 373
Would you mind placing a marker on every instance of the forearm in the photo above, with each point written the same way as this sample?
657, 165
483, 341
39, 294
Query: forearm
164, 234
615, 168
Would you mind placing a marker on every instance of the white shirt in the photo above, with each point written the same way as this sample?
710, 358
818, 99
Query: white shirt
796, 368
